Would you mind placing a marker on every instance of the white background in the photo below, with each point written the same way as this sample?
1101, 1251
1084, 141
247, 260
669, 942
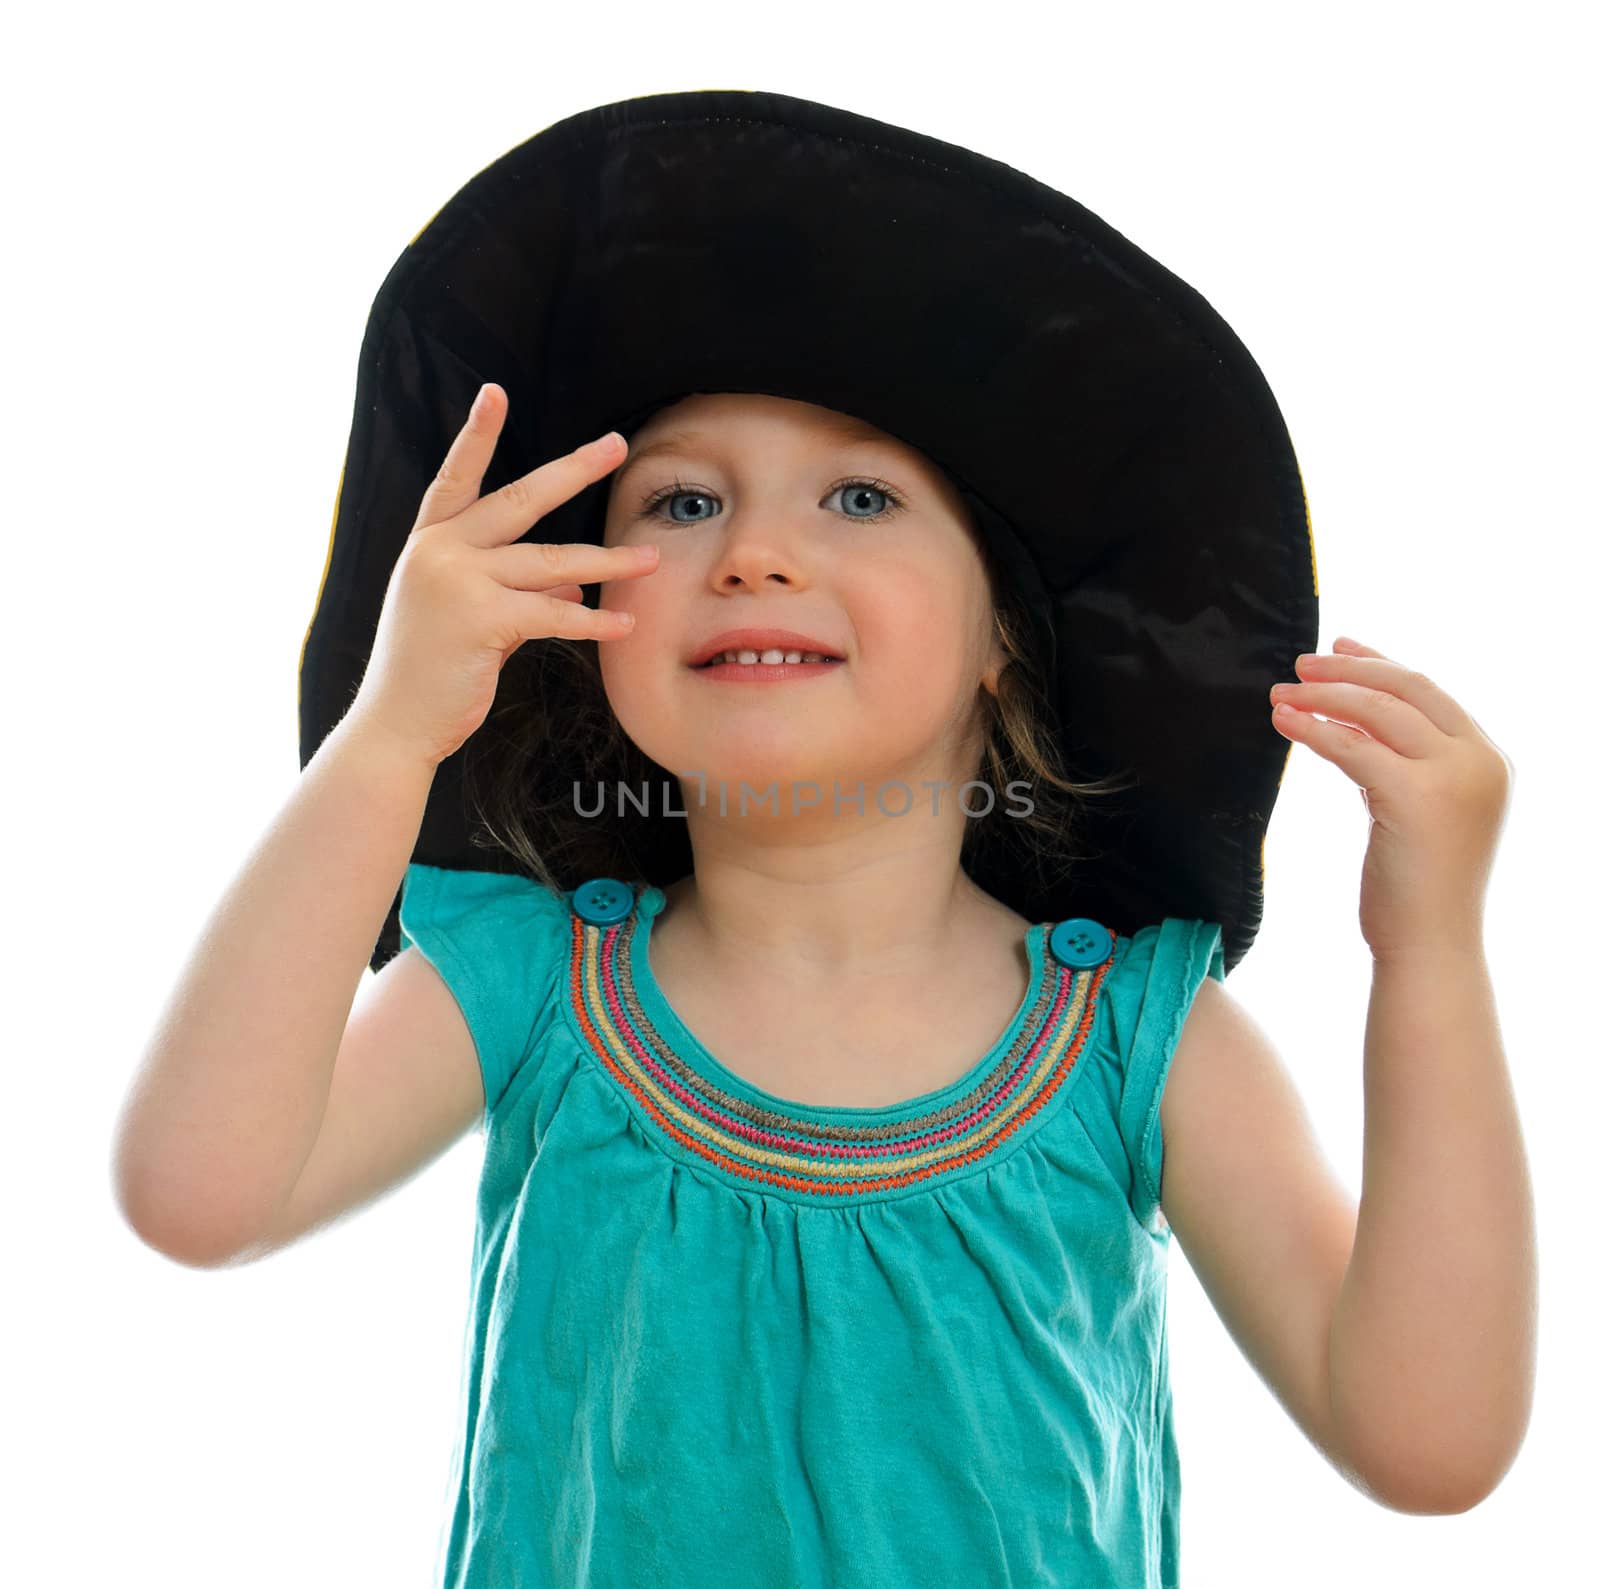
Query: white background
1393, 207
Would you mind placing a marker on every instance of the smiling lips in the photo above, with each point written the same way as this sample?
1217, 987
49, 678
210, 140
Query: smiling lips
763, 655
743, 672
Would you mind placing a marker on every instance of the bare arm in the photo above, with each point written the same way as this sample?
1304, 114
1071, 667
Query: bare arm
1433, 1335
225, 1114
231, 1093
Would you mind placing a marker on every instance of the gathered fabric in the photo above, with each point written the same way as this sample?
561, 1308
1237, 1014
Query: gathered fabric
718, 1336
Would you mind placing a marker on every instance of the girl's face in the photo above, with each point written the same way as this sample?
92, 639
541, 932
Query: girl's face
791, 516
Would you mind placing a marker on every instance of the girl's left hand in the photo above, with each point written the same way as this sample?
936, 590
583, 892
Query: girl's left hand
1436, 788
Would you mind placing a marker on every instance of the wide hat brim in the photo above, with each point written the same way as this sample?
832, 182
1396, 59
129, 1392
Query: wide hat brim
1116, 432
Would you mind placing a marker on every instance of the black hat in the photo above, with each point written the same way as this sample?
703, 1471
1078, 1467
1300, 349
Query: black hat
1120, 449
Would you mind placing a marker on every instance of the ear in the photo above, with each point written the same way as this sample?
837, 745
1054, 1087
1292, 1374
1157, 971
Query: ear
990, 677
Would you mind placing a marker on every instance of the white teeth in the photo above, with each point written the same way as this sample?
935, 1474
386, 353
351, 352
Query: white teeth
769, 657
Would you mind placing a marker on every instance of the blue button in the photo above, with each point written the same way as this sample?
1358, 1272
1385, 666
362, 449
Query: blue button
602, 901
1080, 943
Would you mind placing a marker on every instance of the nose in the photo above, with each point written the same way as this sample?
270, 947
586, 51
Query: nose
754, 554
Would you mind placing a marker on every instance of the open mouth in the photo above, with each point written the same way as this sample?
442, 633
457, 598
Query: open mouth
823, 661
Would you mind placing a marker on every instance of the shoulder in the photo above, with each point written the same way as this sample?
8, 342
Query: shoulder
1158, 976
500, 942
453, 901
1212, 1029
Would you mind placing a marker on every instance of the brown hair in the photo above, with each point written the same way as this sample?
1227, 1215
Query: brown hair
552, 725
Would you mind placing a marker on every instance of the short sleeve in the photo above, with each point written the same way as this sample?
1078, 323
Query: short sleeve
500, 942
1150, 992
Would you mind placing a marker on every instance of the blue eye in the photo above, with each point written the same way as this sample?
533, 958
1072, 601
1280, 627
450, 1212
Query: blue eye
877, 487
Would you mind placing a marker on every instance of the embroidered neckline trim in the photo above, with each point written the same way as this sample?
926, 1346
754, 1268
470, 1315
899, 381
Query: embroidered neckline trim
819, 1151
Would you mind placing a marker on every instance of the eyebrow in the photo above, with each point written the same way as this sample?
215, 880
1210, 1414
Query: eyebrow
682, 441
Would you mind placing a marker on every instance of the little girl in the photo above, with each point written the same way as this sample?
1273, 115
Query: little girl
841, 1055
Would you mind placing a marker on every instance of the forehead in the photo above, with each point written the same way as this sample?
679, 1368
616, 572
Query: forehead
686, 440
838, 428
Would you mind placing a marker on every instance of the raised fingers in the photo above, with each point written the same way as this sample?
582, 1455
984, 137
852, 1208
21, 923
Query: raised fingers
509, 513
552, 566
460, 476
1377, 672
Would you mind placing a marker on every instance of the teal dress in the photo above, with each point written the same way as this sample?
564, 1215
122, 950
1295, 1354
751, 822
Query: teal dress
716, 1337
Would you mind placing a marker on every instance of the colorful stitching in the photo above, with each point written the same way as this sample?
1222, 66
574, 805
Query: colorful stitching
716, 1125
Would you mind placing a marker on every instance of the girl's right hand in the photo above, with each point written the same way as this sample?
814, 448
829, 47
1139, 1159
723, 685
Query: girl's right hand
463, 597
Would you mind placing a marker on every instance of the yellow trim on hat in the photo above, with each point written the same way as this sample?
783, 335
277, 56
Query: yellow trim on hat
425, 225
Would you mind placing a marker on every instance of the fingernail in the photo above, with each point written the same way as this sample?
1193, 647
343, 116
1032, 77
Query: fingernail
610, 441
